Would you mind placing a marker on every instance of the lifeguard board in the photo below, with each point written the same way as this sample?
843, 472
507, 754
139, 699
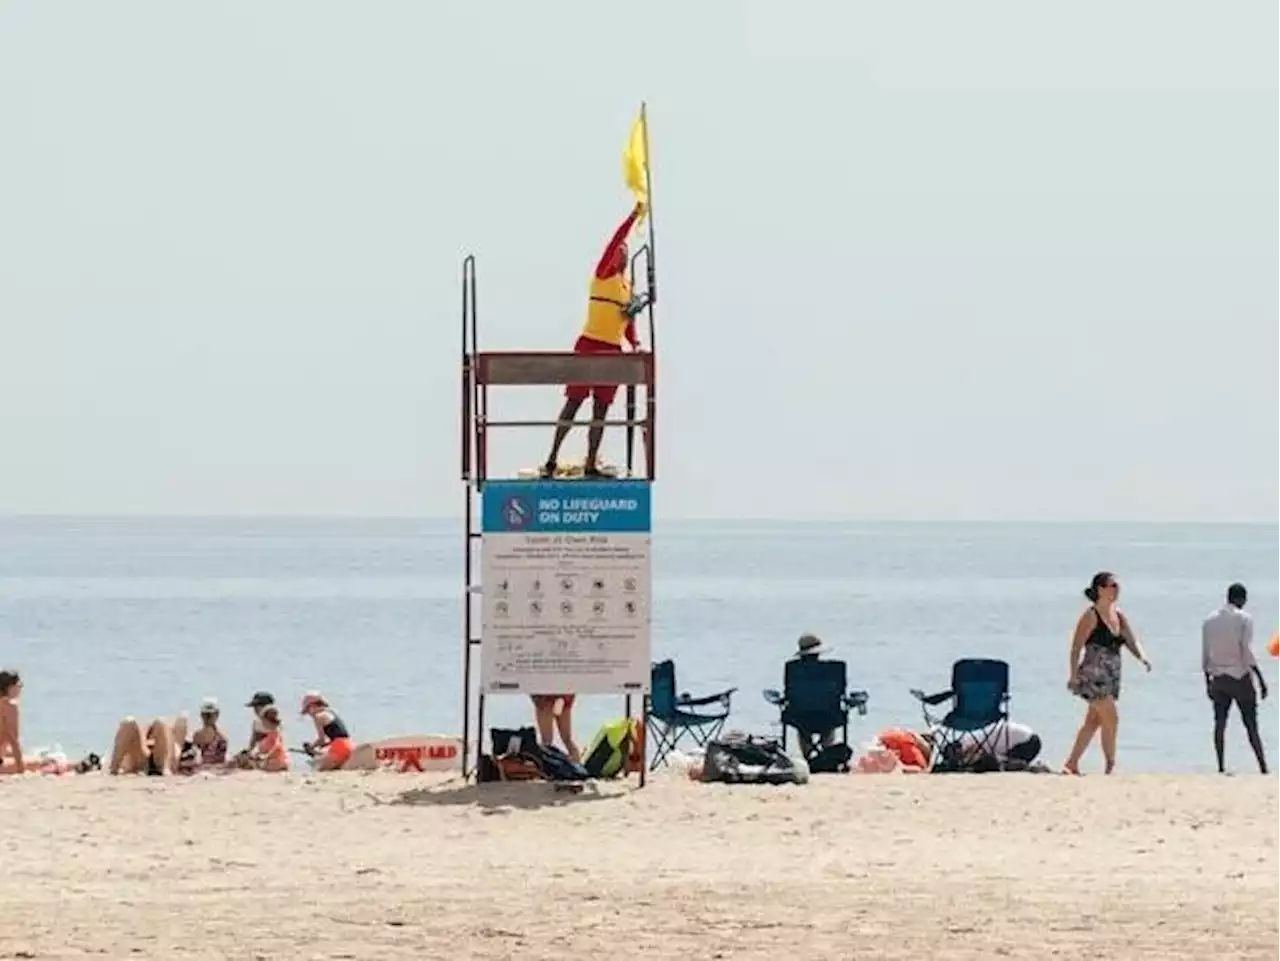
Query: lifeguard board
410, 753
565, 580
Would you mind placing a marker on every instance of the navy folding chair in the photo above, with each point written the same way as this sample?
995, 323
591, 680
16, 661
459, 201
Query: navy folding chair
670, 717
815, 700
964, 738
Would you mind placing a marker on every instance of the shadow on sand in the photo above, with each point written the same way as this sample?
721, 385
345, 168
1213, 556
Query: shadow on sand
503, 797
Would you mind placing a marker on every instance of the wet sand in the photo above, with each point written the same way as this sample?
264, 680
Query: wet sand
384, 866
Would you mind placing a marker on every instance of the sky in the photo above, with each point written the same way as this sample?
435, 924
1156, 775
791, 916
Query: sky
934, 261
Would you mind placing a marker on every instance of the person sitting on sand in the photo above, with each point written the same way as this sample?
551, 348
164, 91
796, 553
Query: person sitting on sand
271, 753
209, 741
156, 752
260, 701
11, 758
331, 734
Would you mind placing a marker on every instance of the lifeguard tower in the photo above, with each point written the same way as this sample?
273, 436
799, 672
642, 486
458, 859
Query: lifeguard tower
556, 572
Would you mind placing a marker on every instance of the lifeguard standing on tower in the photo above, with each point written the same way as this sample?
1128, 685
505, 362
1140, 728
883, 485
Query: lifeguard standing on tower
611, 312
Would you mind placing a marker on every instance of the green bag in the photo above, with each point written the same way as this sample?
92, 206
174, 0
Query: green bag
607, 753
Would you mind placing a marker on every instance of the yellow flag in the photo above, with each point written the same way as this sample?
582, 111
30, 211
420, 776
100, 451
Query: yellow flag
635, 160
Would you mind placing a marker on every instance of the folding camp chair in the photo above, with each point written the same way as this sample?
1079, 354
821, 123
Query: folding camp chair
815, 700
670, 718
964, 739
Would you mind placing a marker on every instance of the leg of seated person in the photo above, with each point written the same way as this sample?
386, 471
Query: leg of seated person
160, 743
128, 752
177, 741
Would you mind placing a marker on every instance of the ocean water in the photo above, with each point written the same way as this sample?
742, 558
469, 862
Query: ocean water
107, 617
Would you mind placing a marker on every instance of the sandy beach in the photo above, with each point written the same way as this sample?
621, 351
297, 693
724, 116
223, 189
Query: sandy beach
384, 866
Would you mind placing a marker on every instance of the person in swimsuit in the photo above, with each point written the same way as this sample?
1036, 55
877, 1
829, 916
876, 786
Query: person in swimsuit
611, 312
11, 758
331, 734
209, 742
1101, 631
269, 752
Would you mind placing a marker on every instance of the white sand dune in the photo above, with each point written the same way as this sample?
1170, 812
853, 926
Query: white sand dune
385, 867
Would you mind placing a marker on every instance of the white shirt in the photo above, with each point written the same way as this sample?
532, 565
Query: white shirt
1000, 738
1225, 643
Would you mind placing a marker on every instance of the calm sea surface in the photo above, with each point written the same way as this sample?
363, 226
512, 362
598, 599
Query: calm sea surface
107, 617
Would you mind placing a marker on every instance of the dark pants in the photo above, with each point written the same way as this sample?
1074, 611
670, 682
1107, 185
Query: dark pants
1225, 690
1027, 751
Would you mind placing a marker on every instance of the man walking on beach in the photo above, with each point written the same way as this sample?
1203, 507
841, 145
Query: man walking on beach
1227, 661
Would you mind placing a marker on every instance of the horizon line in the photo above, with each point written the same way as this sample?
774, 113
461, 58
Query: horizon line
680, 519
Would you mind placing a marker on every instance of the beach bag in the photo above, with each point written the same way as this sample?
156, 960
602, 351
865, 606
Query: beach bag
746, 759
608, 752
554, 765
512, 757
519, 740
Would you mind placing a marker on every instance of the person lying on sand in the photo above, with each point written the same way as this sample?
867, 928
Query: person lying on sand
11, 758
332, 747
162, 749
1006, 746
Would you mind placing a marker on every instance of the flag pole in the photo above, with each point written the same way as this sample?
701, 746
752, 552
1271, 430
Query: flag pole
651, 400
648, 190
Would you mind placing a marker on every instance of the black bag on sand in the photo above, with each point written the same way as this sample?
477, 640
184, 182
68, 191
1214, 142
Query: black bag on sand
746, 759
517, 756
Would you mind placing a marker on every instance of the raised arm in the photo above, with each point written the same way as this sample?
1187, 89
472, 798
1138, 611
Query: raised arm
607, 266
1131, 641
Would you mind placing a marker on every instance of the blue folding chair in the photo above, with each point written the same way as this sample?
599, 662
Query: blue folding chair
815, 700
964, 737
670, 718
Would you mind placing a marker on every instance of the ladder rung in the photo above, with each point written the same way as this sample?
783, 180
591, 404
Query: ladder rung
635, 422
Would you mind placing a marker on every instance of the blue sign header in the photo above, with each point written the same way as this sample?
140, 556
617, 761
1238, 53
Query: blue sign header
566, 507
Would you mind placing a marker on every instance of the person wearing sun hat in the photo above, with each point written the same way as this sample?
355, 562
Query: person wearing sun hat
810, 646
260, 701
208, 738
331, 733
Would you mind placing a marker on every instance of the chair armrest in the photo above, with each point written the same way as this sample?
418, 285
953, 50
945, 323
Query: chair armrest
687, 701
775, 697
856, 700
932, 700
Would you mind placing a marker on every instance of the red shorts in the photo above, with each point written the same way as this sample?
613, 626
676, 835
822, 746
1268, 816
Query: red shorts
604, 393
549, 700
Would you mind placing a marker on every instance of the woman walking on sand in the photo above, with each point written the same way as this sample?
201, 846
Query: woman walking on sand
1101, 631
